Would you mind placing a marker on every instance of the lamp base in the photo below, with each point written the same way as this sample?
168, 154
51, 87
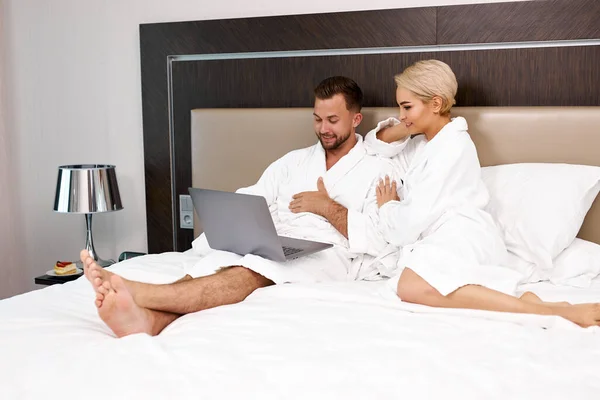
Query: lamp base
100, 262
89, 244
105, 263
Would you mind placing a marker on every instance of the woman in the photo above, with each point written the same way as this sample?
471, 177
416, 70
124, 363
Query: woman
451, 250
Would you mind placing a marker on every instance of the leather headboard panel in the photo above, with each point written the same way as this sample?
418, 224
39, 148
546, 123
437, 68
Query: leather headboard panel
232, 147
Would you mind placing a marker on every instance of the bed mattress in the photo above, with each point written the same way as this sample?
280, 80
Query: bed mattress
351, 340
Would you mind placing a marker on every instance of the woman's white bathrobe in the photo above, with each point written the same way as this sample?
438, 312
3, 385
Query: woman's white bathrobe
352, 182
439, 224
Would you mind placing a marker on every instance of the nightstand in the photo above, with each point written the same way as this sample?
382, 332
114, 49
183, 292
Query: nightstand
53, 280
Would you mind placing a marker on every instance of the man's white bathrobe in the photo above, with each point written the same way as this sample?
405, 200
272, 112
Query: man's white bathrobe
439, 224
352, 182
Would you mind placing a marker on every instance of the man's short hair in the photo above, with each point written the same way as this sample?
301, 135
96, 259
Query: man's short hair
331, 86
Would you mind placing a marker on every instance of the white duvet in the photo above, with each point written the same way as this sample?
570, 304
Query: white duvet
350, 340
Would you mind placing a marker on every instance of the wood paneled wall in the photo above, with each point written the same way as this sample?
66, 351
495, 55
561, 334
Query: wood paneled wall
552, 76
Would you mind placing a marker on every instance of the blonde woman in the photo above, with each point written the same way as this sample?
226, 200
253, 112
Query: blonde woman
451, 250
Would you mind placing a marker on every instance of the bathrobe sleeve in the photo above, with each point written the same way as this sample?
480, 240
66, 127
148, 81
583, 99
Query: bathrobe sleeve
269, 182
364, 234
449, 172
266, 186
379, 147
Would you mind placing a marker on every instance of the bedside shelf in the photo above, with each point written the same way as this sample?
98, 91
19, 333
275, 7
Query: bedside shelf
53, 280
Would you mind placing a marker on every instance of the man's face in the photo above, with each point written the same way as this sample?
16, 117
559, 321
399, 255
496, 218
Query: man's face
334, 124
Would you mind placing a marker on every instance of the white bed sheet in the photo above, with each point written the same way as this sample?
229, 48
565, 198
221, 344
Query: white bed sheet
343, 340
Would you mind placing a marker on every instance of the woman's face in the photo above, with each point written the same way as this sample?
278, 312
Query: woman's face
417, 115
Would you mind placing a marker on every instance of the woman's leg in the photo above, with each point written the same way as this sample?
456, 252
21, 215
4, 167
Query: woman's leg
533, 298
414, 289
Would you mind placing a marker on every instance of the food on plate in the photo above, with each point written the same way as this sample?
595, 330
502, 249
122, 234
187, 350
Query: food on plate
65, 268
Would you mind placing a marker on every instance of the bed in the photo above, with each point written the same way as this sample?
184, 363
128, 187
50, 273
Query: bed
328, 340
347, 339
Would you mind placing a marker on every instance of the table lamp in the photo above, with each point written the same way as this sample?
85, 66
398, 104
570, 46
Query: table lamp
88, 189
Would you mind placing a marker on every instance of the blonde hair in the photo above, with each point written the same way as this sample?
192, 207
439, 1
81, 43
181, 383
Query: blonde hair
430, 78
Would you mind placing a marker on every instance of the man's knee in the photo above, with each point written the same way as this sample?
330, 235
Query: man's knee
247, 275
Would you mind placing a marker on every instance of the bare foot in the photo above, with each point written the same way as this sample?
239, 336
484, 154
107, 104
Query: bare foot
582, 314
532, 298
93, 272
118, 310
101, 293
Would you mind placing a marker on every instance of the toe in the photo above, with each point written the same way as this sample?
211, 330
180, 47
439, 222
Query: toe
103, 290
97, 282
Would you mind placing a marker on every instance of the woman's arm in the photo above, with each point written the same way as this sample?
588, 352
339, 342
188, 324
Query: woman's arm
394, 132
448, 171
388, 139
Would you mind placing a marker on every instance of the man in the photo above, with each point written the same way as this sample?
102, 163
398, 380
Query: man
326, 192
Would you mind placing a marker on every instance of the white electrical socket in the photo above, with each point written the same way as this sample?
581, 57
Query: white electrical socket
186, 212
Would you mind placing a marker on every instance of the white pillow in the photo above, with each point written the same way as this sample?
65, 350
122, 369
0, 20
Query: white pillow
540, 207
577, 265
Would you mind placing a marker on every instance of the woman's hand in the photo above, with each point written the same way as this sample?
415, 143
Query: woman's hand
386, 191
393, 133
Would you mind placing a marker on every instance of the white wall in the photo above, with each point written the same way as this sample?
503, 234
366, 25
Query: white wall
12, 277
72, 95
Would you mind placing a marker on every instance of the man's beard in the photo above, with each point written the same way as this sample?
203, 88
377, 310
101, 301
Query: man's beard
335, 145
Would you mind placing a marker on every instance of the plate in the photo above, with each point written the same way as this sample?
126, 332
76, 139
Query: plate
52, 273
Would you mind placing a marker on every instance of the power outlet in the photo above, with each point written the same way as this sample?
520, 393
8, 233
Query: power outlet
186, 212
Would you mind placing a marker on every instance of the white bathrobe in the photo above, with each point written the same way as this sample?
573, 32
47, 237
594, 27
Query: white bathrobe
439, 224
352, 182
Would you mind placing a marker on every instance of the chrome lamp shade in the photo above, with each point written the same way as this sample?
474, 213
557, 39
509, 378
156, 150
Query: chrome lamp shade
87, 189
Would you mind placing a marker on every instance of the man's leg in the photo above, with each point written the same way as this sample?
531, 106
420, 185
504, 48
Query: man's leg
229, 285
118, 310
132, 307
97, 275
414, 289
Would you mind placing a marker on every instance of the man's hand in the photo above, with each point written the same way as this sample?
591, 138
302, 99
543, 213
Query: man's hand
386, 191
313, 202
321, 204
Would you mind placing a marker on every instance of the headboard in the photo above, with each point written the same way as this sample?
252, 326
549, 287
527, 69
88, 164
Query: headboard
514, 54
232, 147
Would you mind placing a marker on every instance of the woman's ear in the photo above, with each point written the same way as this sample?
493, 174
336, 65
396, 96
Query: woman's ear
436, 104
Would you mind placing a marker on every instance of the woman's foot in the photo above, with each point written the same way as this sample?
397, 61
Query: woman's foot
119, 311
584, 315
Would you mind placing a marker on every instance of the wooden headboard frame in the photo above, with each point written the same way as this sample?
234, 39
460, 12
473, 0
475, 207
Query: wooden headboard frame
539, 53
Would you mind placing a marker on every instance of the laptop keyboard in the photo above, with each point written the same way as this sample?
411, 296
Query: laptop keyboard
288, 251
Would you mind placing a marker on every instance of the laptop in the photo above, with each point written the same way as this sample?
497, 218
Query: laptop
242, 224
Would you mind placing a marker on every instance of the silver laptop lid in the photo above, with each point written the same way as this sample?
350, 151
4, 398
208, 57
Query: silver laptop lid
239, 223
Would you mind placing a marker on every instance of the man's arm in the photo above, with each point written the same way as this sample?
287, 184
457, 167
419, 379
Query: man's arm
361, 228
321, 204
267, 185
337, 215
